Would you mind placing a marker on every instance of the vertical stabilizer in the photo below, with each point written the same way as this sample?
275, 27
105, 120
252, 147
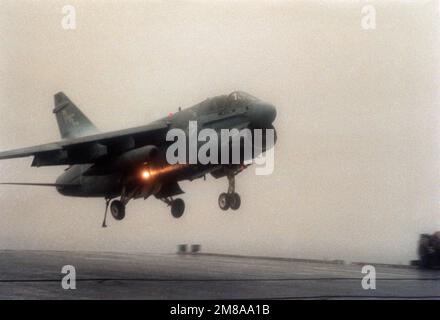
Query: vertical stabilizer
71, 121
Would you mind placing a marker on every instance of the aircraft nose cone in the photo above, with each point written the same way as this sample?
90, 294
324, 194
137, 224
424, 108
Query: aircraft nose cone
270, 113
263, 114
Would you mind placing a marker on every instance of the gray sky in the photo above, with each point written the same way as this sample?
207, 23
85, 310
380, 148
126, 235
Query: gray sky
357, 158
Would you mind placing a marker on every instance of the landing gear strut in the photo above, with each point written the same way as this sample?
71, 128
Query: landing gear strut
231, 199
107, 201
177, 206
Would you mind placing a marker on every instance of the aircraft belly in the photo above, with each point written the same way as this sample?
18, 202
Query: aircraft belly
93, 186
100, 186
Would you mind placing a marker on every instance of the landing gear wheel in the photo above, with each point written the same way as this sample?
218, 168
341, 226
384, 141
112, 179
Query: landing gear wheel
234, 201
223, 201
177, 208
117, 208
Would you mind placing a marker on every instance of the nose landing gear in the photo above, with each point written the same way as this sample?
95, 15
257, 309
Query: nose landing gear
231, 199
177, 206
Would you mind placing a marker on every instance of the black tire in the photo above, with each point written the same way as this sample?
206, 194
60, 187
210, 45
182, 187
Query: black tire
177, 208
234, 201
117, 209
223, 201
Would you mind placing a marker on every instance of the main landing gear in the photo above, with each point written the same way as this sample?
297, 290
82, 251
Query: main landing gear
231, 199
177, 206
117, 207
228, 200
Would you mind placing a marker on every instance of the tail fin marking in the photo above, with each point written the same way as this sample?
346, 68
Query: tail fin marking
71, 121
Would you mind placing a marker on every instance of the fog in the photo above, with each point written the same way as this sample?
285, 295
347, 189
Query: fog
357, 158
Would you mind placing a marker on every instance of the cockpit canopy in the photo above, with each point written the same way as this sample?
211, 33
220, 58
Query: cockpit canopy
232, 101
241, 95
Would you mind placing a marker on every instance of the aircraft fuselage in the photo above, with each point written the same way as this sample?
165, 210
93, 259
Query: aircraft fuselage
103, 179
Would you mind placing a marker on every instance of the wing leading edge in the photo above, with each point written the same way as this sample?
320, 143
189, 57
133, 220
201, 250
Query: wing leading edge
89, 148
39, 184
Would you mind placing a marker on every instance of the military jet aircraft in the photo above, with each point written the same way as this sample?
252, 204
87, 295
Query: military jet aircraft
129, 164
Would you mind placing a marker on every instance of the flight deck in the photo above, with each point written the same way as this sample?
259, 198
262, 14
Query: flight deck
37, 275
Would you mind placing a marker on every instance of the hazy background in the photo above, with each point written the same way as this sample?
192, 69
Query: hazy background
357, 160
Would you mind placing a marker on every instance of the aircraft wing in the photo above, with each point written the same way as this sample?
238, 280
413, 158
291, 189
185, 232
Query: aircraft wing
90, 148
30, 151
